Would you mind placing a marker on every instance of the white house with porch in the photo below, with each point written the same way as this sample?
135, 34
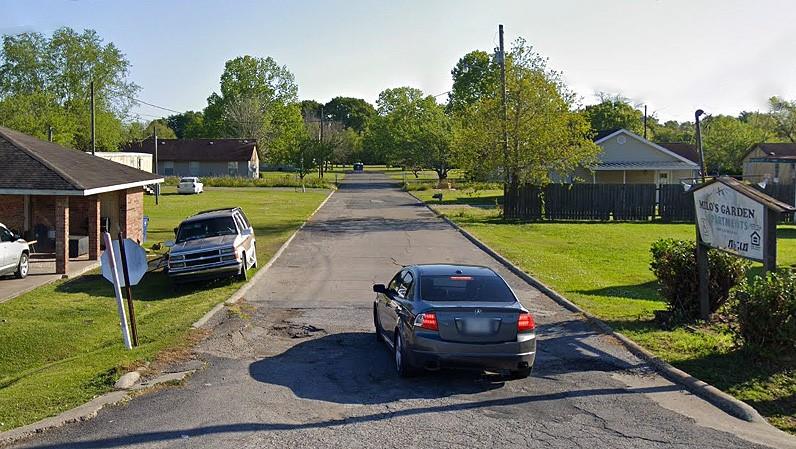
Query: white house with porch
628, 158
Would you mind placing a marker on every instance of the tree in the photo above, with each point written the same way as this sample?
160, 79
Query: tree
353, 113
673, 131
187, 125
475, 77
258, 99
44, 81
545, 135
783, 116
411, 130
725, 142
310, 109
614, 112
137, 131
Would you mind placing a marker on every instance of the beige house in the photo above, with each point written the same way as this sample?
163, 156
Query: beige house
628, 158
771, 162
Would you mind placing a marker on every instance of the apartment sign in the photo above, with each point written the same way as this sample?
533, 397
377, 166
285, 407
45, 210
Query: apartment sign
731, 221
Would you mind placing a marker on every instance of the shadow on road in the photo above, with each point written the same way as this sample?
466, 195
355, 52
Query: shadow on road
375, 224
150, 437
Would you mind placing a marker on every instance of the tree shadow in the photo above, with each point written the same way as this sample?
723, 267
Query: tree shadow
353, 368
647, 291
155, 286
374, 224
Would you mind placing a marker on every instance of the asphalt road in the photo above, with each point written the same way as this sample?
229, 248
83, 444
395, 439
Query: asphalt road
302, 368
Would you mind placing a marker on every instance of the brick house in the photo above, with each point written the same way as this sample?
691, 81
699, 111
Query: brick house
63, 198
203, 157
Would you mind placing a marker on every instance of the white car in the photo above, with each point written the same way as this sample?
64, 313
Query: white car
190, 186
14, 254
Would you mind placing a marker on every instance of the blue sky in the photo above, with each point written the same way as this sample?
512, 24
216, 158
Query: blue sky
675, 55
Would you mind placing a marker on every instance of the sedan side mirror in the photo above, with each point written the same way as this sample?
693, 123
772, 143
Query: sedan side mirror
380, 288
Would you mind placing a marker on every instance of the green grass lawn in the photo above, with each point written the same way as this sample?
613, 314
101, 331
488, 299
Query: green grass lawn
604, 268
60, 345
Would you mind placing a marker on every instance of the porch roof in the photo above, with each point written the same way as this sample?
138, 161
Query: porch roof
644, 165
36, 167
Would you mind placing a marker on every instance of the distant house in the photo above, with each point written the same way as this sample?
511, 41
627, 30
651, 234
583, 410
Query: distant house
63, 198
141, 161
203, 157
627, 158
771, 162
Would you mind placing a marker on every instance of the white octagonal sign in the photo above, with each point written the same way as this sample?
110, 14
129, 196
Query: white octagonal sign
136, 262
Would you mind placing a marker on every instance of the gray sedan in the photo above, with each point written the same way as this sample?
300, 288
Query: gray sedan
456, 316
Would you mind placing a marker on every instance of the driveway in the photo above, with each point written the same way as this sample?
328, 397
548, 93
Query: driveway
299, 365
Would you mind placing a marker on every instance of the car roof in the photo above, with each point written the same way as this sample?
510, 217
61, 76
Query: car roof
215, 213
451, 269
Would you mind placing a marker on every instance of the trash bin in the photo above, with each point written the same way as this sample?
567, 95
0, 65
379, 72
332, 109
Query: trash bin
146, 223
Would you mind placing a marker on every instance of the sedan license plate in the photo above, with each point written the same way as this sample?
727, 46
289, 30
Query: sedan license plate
478, 326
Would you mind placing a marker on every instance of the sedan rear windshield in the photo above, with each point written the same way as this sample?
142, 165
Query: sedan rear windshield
465, 288
211, 227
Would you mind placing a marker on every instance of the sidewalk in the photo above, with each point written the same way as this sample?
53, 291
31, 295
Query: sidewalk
42, 272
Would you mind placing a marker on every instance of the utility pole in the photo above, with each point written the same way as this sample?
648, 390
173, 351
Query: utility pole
93, 129
320, 166
50, 133
155, 160
645, 121
505, 111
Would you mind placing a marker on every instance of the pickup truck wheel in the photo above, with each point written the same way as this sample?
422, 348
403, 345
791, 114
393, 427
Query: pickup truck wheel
244, 268
23, 266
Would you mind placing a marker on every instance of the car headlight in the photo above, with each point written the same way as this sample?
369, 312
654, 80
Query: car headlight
176, 257
228, 250
177, 265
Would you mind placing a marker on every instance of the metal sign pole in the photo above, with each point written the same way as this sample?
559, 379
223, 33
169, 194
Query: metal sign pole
117, 290
128, 290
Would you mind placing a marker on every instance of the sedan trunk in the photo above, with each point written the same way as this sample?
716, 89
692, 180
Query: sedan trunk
477, 324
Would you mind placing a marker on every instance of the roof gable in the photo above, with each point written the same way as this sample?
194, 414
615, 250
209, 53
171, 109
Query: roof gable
39, 165
623, 146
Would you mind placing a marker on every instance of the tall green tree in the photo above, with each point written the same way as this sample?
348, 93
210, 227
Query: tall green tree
783, 117
475, 77
258, 99
411, 130
353, 113
614, 112
188, 125
726, 140
44, 81
545, 135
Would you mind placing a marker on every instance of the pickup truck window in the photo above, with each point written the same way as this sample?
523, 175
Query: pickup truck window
211, 227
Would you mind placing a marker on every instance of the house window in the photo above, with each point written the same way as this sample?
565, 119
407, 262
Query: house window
193, 167
168, 168
232, 168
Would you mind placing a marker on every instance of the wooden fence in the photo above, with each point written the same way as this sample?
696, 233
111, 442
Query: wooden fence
623, 202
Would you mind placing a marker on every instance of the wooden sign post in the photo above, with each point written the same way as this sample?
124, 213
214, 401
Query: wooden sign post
734, 217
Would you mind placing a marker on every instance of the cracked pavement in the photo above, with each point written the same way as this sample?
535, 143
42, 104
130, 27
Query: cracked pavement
300, 366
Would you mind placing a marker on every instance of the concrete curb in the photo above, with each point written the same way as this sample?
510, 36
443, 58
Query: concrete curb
720, 399
202, 322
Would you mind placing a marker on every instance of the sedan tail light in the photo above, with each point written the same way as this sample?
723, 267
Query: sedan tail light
427, 320
525, 322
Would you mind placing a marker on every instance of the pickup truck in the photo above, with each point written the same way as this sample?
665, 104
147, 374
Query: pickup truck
212, 244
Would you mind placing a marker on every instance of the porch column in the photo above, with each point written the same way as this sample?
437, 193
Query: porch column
93, 227
624, 176
61, 234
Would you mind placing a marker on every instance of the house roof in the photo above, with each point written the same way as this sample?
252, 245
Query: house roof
680, 153
683, 149
209, 150
779, 150
36, 167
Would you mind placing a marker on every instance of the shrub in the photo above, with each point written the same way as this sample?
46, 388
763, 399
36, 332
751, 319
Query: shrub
674, 264
765, 312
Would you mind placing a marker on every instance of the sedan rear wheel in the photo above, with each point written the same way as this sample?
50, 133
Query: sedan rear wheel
402, 365
23, 266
